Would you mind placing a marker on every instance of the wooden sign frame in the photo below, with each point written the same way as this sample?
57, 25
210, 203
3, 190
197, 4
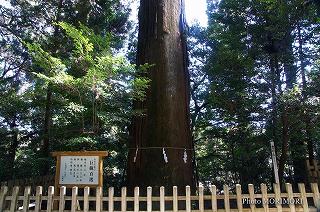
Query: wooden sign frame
58, 155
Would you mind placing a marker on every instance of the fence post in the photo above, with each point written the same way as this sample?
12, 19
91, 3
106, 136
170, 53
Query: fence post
26, 199
62, 198
316, 168
214, 198
239, 197
188, 199
3, 194
149, 199
201, 199
14, 196
37, 206
226, 198
316, 196
162, 205
123, 199
277, 192
110, 198
251, 196
99, 199
175, 198
50, 198
290, 197
265, 199
74, 196
302, 191
86, 194
136, 199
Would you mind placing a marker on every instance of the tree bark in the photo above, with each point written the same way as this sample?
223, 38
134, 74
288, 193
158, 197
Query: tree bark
290, 72
274, 101
46, 133
164, 130
48, 116
290, 69
13, 148
307, 118
285, 142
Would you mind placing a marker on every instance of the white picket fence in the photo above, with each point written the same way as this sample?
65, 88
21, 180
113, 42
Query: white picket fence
215, 200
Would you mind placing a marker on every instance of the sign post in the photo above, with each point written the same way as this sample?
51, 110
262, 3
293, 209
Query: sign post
79, 169
274, 162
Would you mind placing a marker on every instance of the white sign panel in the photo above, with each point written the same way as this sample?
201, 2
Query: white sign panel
79, 170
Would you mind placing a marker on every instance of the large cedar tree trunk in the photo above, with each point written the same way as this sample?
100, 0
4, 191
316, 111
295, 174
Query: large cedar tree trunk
166, 123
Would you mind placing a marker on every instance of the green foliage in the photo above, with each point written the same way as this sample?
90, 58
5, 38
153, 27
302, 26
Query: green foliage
70, 55
44, 60
91, 105
82, 45
251, 72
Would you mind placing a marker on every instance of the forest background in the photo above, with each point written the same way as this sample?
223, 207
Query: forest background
68, 80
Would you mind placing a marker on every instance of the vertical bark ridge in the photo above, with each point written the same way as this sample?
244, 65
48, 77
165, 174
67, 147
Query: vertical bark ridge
166, 121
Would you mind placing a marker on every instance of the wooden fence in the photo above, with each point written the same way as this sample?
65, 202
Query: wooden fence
213, 200
44, 181
313, 169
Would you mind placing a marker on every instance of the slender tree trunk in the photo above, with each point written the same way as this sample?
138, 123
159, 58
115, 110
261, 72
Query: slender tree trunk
13, 149
274, 99
298, 152
161, 149
46, 133
285, 142
290, 78
307, 118
276, 85
47, 116
289, 68
290, 73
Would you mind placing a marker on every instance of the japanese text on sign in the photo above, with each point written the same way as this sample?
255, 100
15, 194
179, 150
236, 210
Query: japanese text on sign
79, 170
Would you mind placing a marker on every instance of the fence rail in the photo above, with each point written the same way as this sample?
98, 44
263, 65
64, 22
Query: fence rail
313, 169
45, 181
222, 201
